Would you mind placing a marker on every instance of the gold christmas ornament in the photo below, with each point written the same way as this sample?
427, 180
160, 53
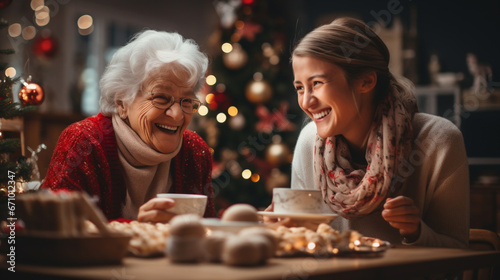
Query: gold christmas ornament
278, 153
235, 59
258, 92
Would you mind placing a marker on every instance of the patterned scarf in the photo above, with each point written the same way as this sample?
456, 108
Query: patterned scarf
352, 192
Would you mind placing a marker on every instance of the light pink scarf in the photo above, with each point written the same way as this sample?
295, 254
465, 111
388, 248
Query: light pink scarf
352, 192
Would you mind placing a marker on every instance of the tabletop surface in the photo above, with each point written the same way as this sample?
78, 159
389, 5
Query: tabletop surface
399, 262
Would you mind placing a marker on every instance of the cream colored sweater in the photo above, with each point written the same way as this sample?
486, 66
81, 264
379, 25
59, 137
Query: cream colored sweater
438, 183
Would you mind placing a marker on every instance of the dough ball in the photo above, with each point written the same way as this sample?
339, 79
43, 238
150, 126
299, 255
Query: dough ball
215, 244
265, 232
240, 212
188, 225
241, 251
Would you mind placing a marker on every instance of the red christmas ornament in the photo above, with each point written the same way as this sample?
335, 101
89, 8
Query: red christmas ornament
31, 94
45, 47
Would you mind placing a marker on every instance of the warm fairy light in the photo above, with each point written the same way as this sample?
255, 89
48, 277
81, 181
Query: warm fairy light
335, 250
85, 32
357, 242
29, 32
43, 21
37, 4
209, 98
227, 47
376, 244
246, 174
221, 117
203, 110
42, 12
311, 246
257, 76
255, 177
85, 22
232, 111
14, 30
211, 80
10, 72
239, 24
274, 60
267, 50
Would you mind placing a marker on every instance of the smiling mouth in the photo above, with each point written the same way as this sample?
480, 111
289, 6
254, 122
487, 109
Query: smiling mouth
167, 128
321, 114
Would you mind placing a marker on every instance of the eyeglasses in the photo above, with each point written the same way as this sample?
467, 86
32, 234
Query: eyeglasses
163, 101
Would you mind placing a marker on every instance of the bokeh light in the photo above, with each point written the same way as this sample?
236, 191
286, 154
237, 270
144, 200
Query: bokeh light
211, 80
203, 111
85, 22
221, 117
232, 111
255, 177
29, 32
10, 72
246, 174
37, 4
227, 47
15, 30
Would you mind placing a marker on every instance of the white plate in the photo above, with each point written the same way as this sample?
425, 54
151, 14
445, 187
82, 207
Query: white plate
228, 226
299, 216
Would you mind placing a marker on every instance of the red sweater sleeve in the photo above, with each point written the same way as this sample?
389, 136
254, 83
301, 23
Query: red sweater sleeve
79, 161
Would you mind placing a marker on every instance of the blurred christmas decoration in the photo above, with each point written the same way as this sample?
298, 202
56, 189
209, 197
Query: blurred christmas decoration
31, 93
251, 101
278, 153
11, 131
268, 121
227, 11
45, 46
258, 91
236, 58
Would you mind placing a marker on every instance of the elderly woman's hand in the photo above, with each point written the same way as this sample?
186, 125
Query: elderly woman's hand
155, 210
401, 213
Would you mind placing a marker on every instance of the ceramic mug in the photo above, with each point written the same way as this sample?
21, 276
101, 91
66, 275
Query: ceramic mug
293, 201
186, 203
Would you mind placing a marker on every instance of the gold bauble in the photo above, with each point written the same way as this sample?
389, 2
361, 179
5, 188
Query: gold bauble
278, 153
235, 59
258, 92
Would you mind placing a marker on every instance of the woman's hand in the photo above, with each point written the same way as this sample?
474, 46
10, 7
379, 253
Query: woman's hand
155, 210
401, 213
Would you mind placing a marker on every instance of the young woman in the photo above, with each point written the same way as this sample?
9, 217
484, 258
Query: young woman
387, 170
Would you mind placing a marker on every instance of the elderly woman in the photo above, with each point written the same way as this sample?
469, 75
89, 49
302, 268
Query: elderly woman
138, 145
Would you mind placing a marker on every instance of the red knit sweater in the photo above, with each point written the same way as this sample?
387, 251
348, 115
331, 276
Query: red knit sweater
86, 158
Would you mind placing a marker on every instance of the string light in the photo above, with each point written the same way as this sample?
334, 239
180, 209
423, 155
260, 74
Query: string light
29, 32
211, 80
209, 98
221, 117
255, 177
246, 174
15, 30
227, 47
203, 110
232, 111
10, 72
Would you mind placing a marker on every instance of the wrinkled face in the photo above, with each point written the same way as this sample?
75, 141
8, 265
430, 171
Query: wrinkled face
325, 96
162, 130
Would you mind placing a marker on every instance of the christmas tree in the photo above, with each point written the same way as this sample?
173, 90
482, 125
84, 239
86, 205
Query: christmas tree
251, 114
10, 119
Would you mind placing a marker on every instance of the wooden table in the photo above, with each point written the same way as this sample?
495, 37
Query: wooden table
395, 263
